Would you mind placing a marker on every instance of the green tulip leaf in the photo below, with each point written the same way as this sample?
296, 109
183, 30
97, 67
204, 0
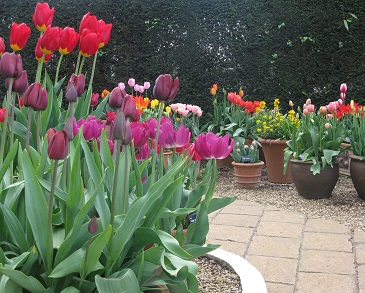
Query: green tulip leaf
127, 282
70, 290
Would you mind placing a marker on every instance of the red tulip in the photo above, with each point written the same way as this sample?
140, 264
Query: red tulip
36, 97
110, 117
11, 65
20, 84
2, 114
89, 43
90, 22
211, 146
2, 46
19, 36
50, 40
39, 54
166, 88
68, 40
194, 155
57, 144
43, 16
94, 99
104, 30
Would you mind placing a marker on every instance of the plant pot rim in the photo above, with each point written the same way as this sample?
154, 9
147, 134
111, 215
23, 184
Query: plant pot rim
272, 141
248, 164
356, 157
334, 162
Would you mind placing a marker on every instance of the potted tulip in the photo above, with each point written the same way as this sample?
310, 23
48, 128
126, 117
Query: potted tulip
247, 166
313, 151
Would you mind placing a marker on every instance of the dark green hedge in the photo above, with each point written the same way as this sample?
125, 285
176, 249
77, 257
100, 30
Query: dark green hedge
272, 48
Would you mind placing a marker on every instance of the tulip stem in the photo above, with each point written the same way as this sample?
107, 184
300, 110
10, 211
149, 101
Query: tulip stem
12, 133
77, 63
27, 136
39, 69
161, 107
81, 65
5, 125
37, 131
92, 72
126, 180
49, 223
113, 202
58, 69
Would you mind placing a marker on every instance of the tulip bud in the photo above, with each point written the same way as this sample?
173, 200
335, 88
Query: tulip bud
327, 125
129, 107
36, 97
291, 104
116, 98
92, 227
57, 144
343, 88
121, 85
323, 110
2, 114
308, 102
11, 65
71, 92
122, 129
20, 84
94, 99
166, 88
69, 128
131, 82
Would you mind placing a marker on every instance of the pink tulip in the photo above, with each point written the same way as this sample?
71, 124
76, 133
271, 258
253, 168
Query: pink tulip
140, 134
310, 108
121, 85
146, 85
331, 107
136, 87
211, 146
131, 82
143, 152
169, 138
343, 88
305, 111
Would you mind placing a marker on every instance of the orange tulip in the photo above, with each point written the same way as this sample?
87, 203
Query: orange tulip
68, 40
19, 35
50, 40
43, 16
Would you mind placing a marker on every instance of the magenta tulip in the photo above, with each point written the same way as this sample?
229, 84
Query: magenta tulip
210, 146
143, 152
170, 138
92, 127
343, 88
166, 88
140, 134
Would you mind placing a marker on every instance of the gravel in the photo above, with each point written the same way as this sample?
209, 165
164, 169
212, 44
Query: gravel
344, 207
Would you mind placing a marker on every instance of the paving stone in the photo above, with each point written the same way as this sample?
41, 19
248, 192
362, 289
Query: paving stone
255, 210
290, 230
361, 277
230, 233
283, 216
246, 203
279, 288
238, 248
327, 241
331, 262
359, 236
322, 225
325, 283
273, 269
236, 220
360, 253
274, 246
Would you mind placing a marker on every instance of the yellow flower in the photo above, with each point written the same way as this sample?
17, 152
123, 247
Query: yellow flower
168, 109
154, 103
262, 104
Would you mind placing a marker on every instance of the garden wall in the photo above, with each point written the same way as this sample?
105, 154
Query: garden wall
272, 48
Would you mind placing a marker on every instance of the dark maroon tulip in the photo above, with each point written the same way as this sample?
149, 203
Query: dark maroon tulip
116, 98
57, 144
166, 88
20, 84
11, 65
122, 129
79, 81
129, 107
36, 97
69, 128
71, 92
93, 225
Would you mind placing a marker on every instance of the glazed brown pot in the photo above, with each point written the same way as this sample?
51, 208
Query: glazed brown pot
314, 186
357, 172
274, 158
248, 175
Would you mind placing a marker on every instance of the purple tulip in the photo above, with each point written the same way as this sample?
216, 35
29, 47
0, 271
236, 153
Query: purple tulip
36, 97
79, 82
71, 92
20, 84
210, 146
11, 65
166, 88
129, 107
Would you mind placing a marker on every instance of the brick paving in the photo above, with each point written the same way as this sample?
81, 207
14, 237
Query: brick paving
293, 252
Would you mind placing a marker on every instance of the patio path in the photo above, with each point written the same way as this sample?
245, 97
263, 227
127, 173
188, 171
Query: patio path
293, 252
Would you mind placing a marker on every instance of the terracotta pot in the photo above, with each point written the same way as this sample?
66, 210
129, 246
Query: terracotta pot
248, 175
166, 156
314, 186
274, 157
357, 172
